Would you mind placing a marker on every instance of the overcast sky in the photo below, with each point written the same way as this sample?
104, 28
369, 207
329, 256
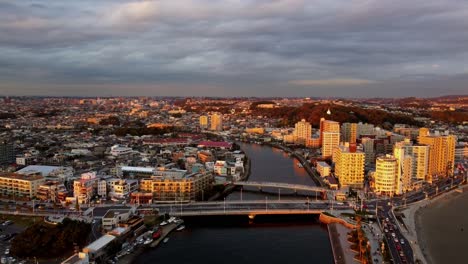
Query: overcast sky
344, 48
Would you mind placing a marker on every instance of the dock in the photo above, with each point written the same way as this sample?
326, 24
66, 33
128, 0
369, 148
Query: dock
166, 230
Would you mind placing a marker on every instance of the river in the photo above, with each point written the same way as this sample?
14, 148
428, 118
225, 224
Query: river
268, 240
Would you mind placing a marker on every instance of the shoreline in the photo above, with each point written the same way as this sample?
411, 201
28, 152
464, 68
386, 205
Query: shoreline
416, 234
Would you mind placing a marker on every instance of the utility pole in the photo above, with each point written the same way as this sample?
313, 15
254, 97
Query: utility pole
279, 194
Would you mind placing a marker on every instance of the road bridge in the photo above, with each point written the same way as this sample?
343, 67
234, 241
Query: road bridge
295, 187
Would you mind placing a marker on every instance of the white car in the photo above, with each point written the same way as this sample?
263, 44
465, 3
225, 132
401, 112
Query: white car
393, 234
402, 241
7, 251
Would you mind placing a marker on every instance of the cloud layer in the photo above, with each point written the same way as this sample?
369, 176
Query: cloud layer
234, 47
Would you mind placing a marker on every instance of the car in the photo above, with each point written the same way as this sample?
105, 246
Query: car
393, 234
402, 254
386, 230
398, 247
386, 219
7, 251
402, 241
396, 240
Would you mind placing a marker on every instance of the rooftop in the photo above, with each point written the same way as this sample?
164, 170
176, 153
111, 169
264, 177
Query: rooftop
43, 169
21, 176
99, 243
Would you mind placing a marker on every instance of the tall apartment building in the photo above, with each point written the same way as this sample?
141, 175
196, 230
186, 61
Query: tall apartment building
19, 185
7, 152
302, 132
204, 122
441, 152
216, 122
369, 150
349, 132
349, 165
386, 175
417, 156
330, 136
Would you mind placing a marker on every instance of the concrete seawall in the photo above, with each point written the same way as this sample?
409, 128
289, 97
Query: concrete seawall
338, 233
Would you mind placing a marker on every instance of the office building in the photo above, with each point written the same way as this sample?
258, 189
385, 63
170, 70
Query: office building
7, 152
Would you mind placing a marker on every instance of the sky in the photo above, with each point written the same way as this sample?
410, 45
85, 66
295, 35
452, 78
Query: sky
266, 48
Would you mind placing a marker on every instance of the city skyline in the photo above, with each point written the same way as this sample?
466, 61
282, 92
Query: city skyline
234, 48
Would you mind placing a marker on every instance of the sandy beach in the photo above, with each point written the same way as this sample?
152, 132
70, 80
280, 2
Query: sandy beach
441, 228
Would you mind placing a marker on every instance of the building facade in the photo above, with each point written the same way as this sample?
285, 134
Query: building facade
302, 132
441, 152
18, 185
386, 175
349, 132
349, 165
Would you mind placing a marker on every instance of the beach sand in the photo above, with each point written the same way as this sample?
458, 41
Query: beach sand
442, 229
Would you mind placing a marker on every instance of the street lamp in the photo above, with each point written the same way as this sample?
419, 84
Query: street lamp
224, 204
279, 194
266, 203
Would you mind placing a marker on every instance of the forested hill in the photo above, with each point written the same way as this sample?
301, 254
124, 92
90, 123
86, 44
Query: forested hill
339, 113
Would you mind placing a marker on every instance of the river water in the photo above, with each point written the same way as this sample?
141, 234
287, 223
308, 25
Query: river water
286, 239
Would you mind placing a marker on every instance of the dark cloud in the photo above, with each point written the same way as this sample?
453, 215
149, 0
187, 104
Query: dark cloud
232, 48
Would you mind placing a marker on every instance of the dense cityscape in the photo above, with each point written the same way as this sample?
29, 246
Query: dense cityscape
233, 131
124, 172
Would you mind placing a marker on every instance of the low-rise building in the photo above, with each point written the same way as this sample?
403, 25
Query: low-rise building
177, 186
323, 168
19, 185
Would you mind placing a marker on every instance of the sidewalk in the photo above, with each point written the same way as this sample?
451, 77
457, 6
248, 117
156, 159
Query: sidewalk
340, 245
374, 235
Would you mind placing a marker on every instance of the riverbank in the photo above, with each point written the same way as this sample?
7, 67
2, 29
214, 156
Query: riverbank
314, 176
437, 230
229, 188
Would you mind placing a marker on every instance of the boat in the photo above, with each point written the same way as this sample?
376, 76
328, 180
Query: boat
157, 233
148, 241
163, 223
171, 220
166, 239
182, 227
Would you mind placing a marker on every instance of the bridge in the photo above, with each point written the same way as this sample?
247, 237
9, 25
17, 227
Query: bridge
251, 207
279, 185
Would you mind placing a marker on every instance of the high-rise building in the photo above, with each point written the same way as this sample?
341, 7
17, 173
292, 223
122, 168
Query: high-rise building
368, 147
217, 122
330, 136
413, 162
203, 121
349, 165
349, 132
386, 175
364, 129
302, 132
441, 152
7, 152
